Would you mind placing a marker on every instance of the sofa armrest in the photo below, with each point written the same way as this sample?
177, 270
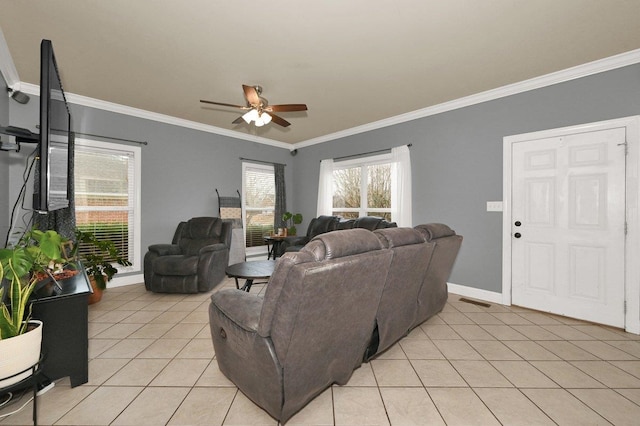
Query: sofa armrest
293, 242
240, 307
165, 249
212, 263
297, 241
244, 356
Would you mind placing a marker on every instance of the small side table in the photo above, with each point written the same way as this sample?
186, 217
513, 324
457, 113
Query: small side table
273, 245
249, 271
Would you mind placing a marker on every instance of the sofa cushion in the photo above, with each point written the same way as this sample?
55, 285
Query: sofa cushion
203, 227
200, 232
396, 237
321, 224
372, 223
341, 244
345, 224
176, 265
433, 231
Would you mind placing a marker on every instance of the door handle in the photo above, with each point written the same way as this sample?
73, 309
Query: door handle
517, 235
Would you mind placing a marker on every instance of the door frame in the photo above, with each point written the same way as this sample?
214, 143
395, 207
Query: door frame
632, 182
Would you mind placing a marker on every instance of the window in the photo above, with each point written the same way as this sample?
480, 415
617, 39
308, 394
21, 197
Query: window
107, 194
370, 186
258, 202
362, 188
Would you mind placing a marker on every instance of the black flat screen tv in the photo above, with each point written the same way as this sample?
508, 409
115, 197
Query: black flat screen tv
51, 191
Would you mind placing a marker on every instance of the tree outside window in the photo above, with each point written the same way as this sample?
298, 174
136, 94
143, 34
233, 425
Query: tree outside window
362, 190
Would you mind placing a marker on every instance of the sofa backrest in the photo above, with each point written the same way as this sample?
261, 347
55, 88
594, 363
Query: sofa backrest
199, 232
372, 223
321, 224
398, 305
320, 305
433, 293
366, 222
345, 224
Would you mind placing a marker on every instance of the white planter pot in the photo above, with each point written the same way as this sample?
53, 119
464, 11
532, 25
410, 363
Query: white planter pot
19, 353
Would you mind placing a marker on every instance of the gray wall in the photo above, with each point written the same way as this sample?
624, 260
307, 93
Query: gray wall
181, 168
457, 159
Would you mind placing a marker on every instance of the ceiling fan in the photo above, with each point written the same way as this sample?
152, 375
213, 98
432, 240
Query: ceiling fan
258, 109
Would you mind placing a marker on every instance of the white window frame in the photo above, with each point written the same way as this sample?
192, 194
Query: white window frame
136, 259
259, 250
363, 210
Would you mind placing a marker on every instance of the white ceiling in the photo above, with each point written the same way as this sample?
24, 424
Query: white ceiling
352, 62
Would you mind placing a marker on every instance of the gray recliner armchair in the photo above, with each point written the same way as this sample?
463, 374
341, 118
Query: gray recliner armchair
305, 334
194, 262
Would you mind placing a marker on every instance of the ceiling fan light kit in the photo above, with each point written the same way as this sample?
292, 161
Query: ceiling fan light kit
259, 110
260, 119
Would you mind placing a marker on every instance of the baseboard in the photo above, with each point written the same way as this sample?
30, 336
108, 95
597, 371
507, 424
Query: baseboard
475, 293
119, 281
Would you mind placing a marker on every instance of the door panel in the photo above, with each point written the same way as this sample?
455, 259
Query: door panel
568, 252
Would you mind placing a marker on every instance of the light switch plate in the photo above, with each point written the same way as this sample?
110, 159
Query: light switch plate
494, 206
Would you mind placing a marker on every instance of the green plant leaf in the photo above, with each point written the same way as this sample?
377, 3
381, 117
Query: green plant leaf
16, 263
50, 244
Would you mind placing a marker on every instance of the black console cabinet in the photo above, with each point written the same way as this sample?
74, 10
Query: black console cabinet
65, 315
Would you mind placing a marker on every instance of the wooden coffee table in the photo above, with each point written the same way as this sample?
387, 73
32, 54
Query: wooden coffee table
249, 271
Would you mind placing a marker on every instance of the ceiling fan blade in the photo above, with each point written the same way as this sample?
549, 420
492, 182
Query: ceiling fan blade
238, 120
279, 120
251, 94
223, 104
286, 107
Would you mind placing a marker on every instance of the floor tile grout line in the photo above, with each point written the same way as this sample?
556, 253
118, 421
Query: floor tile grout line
593, 333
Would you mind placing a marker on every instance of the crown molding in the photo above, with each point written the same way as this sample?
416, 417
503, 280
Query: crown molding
618, 61
72, 98
140, 113
8, 70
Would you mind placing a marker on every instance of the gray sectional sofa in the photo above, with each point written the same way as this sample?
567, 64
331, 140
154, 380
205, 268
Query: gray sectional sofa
321, 224
342, 299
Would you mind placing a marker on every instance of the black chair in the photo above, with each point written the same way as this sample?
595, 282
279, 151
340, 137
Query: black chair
366, 222
194, 262
318, 225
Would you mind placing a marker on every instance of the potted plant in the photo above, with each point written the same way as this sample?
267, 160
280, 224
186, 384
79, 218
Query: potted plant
21, 268
97, 260
290, 221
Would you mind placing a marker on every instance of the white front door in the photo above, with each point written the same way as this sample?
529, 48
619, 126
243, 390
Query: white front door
568, 225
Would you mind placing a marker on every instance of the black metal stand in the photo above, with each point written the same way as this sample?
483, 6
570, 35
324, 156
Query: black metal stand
32, 381
273, 246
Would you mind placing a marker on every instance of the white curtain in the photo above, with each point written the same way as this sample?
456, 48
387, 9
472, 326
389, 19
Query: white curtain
401, 186
325, 188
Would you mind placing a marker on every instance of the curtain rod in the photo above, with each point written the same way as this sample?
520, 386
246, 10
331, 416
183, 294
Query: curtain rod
366, 153
112, 138
261, 161
104, 137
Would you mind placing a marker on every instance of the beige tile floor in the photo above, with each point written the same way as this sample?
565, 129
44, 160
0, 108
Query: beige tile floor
152, 363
